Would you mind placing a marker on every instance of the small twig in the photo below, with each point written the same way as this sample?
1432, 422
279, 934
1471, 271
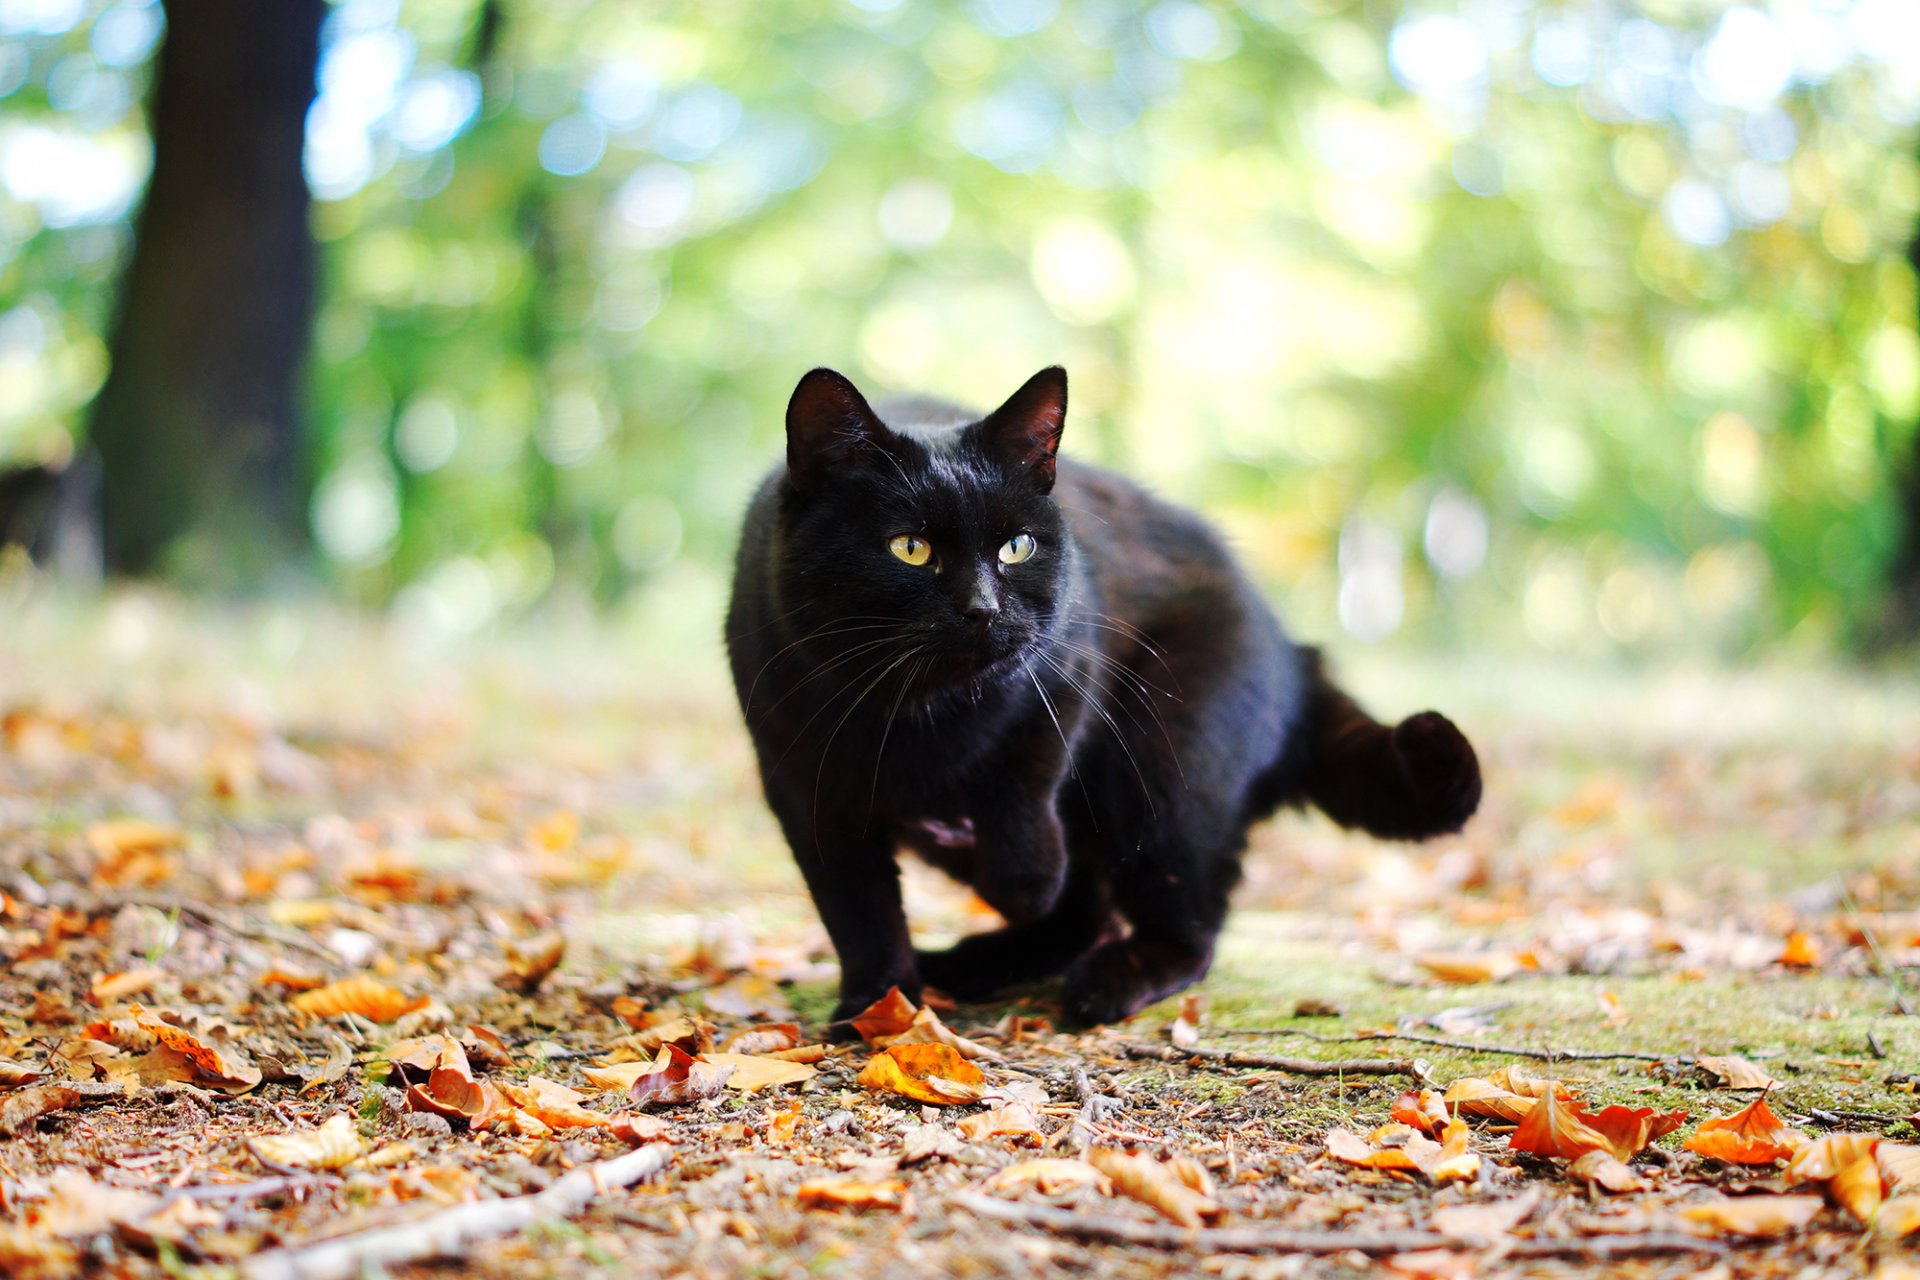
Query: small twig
1159, 1235
450, 1232
1820, 1115
1473, 1046
1293, 1066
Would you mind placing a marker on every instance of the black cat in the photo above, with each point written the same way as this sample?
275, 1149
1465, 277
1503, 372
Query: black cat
1049, 683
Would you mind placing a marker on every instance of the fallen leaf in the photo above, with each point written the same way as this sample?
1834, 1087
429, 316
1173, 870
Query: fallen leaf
1825, 1157
1856, 1188
332, 1145
76, 1205
109, 987
1630, 1130
1052, 1177
783, 1125
1800, 951
1155, 1185
1604, 1169
677, 1077
1752, 1135
1485, 1225
362, 996
1898, 1217
934, 1073
1754, 1215
890, 1015
1453, 1162
841, 1193
22, 1109
770, 1037
215, 1059
1350, 1148
1472, 966
553, 1104
13, 1074
1017, 1121
926, 1028
1422, 1108
1736, 1073
450, 1089
529, 962
1473, 1096
1528, 1084
1899, 1166
638, 1129
1557, 1128
752, 1072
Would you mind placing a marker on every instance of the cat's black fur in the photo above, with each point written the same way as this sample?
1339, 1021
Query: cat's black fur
1084, 737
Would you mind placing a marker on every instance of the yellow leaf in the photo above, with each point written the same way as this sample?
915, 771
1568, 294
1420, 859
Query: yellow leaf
1473, 1096
332, 1145
1899, 1216
1016, 1121
932, 1073
753, 1072
1050, 1177
1736, 1073
1899, 1166
1754, 1215
1471, 966
1824, 1158
207, 1048
360, 995
840, 1193
1856, 1188
1604, 1170
1155, 1185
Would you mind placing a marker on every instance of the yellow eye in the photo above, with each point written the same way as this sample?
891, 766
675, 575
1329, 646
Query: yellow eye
1020, 546
911, 549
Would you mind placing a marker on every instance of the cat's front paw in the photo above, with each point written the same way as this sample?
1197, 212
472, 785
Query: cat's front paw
1443, 770
1121, 978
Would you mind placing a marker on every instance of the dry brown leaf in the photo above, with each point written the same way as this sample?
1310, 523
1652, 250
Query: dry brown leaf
1423, 1109
783, 1126
362, 996
1016, 1121
127, 837
1825, 1157
553, 1104
1155, 1185
890, 1015
1473, 1096
1484, 1225
660, 1027
76, 1205
1528, 1084
1752, 1135
1557, 1128
14, 1075
450, 1089
1736, 1073
677, 1077
934, 1073
844, 1193
617, 1078
1452, 1162
215, 1059
291, 979
639, 1129
1050, 1177
412, 1060
529, 962
771, 1037
1604, 1169
1754, 1215
109, 987
332, 1145
21, 1110
1349, 1147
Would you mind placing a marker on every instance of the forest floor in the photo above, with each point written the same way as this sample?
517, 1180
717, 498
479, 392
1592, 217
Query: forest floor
539, 859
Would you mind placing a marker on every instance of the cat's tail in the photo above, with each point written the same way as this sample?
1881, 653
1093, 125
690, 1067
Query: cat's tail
1409, 781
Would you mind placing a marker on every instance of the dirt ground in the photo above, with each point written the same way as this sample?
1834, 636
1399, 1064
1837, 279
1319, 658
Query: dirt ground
549, 848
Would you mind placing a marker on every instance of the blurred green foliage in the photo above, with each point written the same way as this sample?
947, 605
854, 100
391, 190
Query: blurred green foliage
1584, 321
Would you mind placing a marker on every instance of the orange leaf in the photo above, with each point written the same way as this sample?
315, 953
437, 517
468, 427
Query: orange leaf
1753, 1135
1605, 1170
1856, 1188
890, 1015
207, 1049
1476, 1097
678, 1077
1556, 1128
933, 1073
1824, 1158
841, 1193
361, 996
1899, 1166
1350, 1147
1800, 951
1421, 1108
1628, 1130
553, 1104
1898, 1217
781, 1125
1473, 966
1736, 1072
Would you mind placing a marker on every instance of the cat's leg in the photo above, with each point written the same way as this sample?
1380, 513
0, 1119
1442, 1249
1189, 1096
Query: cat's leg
1409, 781
985, 963
1173, 889
855, 881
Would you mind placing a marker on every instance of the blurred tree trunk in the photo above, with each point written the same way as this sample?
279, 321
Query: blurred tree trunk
1903, 615
197, 427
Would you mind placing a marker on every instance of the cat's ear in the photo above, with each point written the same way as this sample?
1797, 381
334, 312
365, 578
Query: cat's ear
1025, 431
828, 421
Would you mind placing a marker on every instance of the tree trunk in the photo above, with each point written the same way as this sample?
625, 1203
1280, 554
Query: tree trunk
197, 427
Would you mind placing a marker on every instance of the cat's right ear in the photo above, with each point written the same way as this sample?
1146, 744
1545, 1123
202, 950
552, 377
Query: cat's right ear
828, 421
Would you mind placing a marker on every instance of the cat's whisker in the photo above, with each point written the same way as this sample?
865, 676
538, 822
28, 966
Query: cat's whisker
907, 684
1146, 791
827, 749
874, 622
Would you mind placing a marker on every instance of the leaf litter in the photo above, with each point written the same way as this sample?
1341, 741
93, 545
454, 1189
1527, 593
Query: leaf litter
270, 985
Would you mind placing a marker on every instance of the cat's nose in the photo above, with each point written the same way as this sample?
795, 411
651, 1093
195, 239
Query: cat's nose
983, 606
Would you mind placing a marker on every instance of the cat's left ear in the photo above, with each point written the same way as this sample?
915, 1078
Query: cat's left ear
1025, 431
828, 423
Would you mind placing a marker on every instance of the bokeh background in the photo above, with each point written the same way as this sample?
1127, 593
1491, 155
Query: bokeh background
1585, 327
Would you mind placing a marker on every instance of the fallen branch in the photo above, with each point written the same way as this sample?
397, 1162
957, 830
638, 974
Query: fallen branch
1161, 1235
450, 1232
1472, 1046
1293, 1066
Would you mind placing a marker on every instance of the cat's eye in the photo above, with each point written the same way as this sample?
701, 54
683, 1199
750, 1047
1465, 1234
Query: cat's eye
914, 550
1020, 546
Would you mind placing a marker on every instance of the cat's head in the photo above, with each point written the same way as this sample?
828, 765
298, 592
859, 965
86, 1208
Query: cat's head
944, 543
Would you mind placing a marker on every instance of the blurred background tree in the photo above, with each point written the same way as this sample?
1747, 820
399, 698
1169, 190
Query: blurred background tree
1584, 322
